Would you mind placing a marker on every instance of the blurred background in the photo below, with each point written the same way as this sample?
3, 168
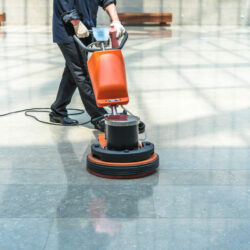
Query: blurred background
185, 12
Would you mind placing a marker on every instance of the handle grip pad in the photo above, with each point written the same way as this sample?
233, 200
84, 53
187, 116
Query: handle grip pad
114, 40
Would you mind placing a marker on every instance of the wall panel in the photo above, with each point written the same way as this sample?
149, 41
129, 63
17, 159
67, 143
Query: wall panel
185, 12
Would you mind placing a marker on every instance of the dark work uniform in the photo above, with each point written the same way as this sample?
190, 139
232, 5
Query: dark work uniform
75, 73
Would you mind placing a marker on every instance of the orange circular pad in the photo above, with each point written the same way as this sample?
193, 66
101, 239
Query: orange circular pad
130, 170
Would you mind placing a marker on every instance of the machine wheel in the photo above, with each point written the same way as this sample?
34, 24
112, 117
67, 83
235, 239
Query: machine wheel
114, 170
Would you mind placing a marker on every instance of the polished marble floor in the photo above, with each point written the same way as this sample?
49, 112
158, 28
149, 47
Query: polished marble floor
191, 86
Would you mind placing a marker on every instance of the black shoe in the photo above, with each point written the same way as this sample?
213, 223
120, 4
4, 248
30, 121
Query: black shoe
142, 127
64, 120
100, 125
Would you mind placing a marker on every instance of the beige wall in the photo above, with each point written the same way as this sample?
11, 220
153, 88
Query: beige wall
204, 12
37, 12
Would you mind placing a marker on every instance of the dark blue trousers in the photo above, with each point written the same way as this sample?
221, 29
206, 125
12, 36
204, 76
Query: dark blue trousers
75, 76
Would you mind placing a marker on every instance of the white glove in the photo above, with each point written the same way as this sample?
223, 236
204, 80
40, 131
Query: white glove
119, 27
81, 30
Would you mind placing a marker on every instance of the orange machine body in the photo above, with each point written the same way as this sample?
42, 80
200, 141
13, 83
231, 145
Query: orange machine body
108, 76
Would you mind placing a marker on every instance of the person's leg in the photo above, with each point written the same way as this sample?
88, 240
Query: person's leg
65, 92
85, 88
76, 63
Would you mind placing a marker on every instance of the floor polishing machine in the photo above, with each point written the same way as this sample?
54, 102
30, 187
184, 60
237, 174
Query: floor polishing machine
119, 154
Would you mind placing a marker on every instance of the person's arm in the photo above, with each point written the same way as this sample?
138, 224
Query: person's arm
67, 10
112, 12
69, 14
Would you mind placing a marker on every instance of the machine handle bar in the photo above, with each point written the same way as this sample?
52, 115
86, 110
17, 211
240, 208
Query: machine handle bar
84, 47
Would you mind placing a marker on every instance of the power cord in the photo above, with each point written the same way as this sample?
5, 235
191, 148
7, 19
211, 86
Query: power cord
28, 113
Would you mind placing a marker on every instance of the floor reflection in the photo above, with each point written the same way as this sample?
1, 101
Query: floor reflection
191, 88
103, 205
2, 34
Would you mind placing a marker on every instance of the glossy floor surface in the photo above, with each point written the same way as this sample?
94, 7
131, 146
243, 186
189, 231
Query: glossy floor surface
191, 85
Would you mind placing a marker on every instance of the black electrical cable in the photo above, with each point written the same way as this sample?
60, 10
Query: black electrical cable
45, 110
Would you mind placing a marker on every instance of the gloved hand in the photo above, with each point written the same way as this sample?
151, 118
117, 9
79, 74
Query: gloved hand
119, 27
80, 29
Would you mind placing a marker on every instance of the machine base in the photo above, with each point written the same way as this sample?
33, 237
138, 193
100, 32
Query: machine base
129, 170
141, 153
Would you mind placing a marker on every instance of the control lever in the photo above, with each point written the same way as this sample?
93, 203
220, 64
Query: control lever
114, 40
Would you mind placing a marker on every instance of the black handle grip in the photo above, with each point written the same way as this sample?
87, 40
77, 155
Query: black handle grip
84, 47
124, 40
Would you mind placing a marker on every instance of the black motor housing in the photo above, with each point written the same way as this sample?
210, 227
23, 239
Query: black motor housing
122, 156
121, 132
